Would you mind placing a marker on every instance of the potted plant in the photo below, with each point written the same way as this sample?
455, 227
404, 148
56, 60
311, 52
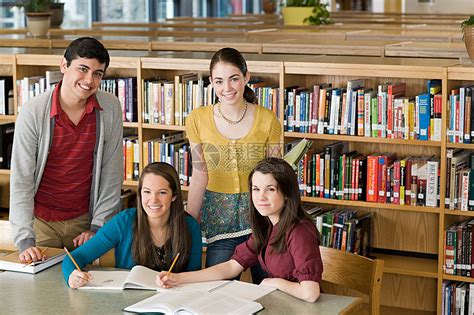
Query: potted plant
38, 16
269, 6
57, 9
467, 27
312, 12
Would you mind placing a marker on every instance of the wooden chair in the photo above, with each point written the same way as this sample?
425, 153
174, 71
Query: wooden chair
355, 272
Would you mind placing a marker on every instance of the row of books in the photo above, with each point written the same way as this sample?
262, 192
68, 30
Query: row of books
460, 115
459, 180
29, 87
354, 110
169, 102
458, 249
343, 230
6, 96
457, 298
173, 149
126, 91
337, 173
124, 88
131, 157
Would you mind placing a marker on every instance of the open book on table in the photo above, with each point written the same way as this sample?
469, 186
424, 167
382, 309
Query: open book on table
234, 297
139, 277
195, 302
11, 262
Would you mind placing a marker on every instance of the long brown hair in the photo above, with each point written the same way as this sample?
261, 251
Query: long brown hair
178, 235
292, 211
234, 57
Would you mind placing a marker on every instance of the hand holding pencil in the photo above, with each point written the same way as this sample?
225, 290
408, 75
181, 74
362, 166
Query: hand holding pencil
166, 279
77, 278
32, 254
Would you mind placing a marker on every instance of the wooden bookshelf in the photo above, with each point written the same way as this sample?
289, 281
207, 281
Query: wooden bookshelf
457, 76
7, 69
405, 228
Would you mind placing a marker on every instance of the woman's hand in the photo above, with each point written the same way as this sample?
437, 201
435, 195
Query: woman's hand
167, 281
78, 279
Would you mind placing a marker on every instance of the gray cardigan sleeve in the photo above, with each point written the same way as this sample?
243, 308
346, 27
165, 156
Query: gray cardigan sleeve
30, 146
108, 173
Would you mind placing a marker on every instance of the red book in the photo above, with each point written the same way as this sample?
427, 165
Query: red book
384, 160
315, 109
396, 89
372, 180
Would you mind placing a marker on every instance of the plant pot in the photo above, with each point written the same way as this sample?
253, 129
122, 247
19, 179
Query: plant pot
57, 10
269, 6
296, 15
469, 40
38, 23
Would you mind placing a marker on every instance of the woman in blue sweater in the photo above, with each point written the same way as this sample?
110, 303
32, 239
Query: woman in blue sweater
150, 236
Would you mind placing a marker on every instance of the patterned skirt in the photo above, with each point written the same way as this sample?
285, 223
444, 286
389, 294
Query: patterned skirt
225, 215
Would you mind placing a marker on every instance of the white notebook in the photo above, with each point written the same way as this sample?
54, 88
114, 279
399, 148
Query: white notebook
141, 278
11, 262
195, 302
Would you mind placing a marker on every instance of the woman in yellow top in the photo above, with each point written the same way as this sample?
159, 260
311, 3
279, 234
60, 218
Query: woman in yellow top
227, 140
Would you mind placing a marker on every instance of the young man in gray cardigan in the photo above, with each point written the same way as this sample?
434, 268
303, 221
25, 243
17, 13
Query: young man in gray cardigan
67, 159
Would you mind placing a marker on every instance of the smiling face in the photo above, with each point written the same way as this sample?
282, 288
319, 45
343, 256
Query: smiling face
266, 197
229, 83
81, 79
156, 197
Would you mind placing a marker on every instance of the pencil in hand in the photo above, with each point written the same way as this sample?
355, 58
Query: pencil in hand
72, 259
172, 264
30, 262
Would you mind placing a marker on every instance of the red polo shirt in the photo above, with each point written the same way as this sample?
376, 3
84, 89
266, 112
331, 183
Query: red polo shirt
64, 190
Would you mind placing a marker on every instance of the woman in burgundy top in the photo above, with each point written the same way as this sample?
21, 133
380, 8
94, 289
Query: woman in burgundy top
284, 240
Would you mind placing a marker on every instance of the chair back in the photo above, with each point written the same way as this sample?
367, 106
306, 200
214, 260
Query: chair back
355, 272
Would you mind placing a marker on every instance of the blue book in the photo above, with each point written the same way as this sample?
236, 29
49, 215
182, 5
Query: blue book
424, 105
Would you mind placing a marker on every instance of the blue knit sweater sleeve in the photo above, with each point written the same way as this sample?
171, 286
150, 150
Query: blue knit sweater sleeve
196, 247
106, 238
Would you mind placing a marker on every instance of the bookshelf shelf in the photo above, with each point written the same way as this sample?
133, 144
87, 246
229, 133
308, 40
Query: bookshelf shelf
7, 118
130, 124
132, 183
459, 213
468, 146
163, 127
4, 172
458, 278
374, 205
409, 266
363, 139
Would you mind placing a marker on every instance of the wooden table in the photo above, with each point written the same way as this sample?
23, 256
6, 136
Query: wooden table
47, 293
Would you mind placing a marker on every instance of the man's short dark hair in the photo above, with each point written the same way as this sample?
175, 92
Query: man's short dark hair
87, 47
